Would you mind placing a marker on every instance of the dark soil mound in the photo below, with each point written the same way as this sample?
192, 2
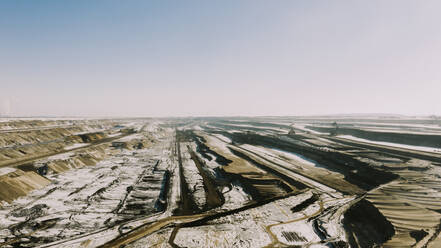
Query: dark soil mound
365, 226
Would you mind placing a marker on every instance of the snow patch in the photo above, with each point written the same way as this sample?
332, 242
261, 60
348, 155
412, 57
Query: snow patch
418, 148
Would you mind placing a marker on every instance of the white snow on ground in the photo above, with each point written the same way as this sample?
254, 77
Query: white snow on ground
223, 138
293, 156
6, 170
302, 127
397, 125
75, 146
395, 130
331, 220
284, 167
192, 176
277, 129
152, 127
252, 227
61, 156
418, 148
235, 197
244, 234
89, 130
113, 134
130, 137
197, 127
216, 142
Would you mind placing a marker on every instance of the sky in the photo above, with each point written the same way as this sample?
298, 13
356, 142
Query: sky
219, 58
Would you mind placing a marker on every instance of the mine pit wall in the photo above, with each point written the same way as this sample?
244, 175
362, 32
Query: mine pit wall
37, 144
28, 177
400, 138
50, 124
298, 185
356, 172
9, 155
19, 183
35, 136
38, 150
89, 157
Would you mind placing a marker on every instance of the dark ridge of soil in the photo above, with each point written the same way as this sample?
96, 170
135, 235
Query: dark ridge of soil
161, 202
293, 236
303, 205
365, 226
418, 235
187, 204
91, 137
42, 170
27, 167
339, 244
319, 230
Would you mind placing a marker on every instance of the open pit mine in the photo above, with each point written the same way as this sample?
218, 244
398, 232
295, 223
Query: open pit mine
347, 181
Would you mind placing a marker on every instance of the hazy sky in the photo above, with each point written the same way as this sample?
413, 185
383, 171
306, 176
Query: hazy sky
179, 58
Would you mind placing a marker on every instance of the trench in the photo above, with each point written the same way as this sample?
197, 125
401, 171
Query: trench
187, 204
213, 196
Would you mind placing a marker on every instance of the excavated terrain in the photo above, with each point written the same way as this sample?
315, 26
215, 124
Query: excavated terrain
221, 182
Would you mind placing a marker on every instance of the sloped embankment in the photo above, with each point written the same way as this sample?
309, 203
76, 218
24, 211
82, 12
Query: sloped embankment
89, 157
11, 139
19, 183
29, 177
412, 206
